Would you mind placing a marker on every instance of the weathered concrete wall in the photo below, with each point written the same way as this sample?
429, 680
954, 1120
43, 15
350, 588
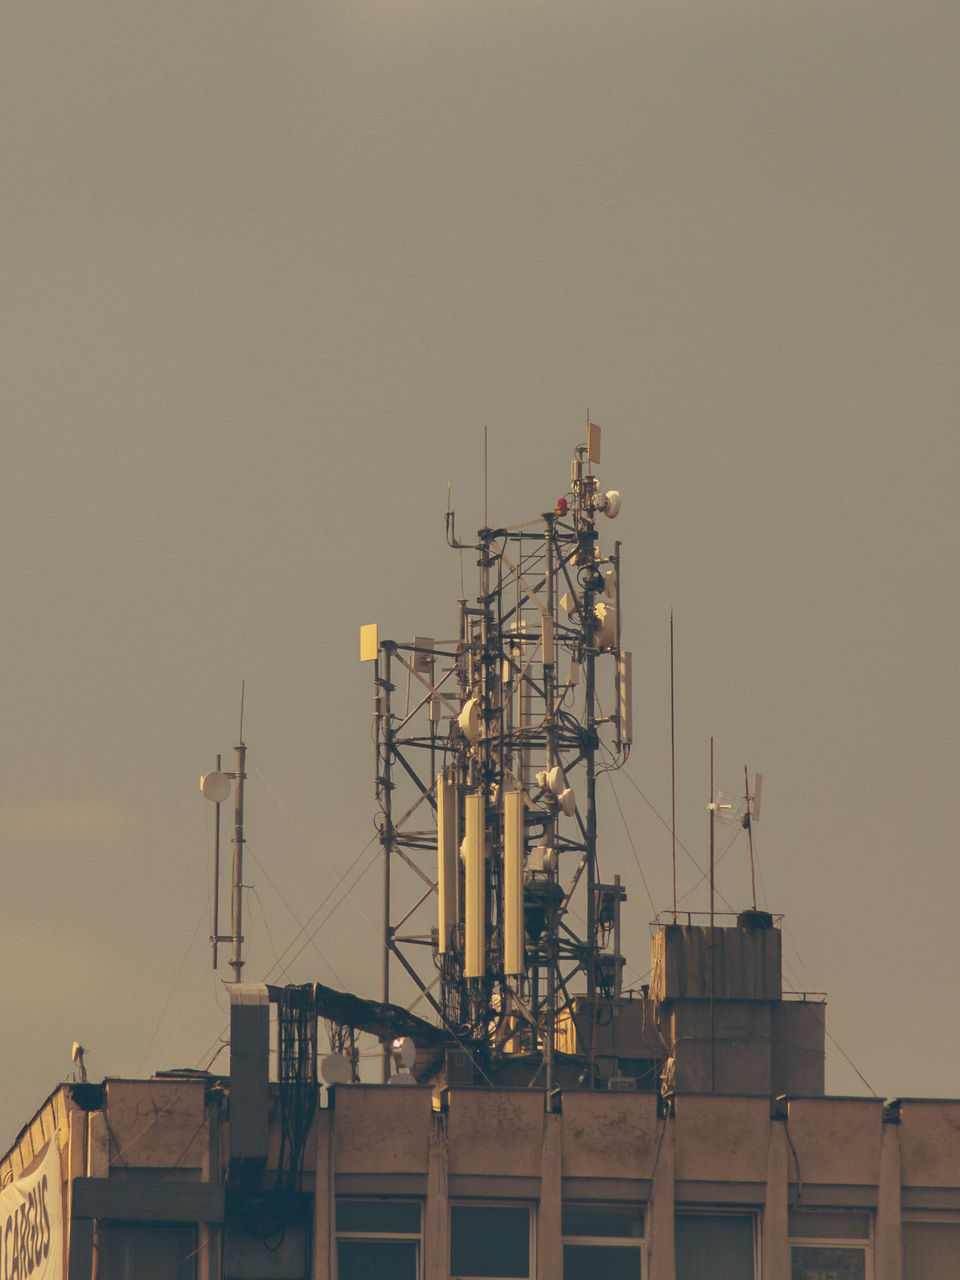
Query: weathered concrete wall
930, 1143
722, 1046
837, 1140
691, 962
495, 1132
609, 1135
379, 1129
722, 1139
157, 1123
798, 1029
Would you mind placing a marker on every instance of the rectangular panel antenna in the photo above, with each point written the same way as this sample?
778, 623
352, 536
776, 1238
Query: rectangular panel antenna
474, 858
513, 883
593, 442
625, 699
447, 829
369, 642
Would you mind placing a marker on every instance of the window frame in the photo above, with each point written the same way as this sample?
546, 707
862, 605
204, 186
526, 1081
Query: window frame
862, 1243
113, 1228
386, 1237
711, 1211
637, 1243
473, 1203
927, 1218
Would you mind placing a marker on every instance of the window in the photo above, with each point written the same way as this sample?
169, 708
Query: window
832, 1243
378, 1240
602, 1240
148, 1252
931, 1250
493, 1241
716, 1246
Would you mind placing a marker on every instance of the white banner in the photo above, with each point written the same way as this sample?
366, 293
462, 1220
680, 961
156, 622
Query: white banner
31, 1222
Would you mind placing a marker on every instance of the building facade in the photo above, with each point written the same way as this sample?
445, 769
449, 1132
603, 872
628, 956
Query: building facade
406, 1184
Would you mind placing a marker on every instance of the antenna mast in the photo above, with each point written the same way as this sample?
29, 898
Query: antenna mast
491, 847
216, 787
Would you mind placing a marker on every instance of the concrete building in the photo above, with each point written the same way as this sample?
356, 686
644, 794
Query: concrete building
698, 1145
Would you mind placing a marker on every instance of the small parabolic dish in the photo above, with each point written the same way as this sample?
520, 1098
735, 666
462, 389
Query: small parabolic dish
469, 719
556, 781
215, 786
606, 633
336, 1069
406, 1051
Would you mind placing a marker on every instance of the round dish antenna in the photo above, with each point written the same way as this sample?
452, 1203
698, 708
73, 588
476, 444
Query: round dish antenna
215, 786
336, 1069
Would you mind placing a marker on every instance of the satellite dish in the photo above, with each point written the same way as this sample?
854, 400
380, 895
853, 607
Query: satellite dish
606, 634
568, 802
469, 719
612, 503
215, 786
77, 1054
336, 1069
556, 781
610, 584
406, 1051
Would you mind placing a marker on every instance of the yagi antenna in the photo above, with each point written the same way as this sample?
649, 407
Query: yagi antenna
751, 814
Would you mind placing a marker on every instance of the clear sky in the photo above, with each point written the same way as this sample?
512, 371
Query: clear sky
270, 267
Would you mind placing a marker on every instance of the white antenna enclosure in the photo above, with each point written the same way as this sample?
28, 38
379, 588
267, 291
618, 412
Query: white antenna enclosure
216, 786
336, 1069
469, 719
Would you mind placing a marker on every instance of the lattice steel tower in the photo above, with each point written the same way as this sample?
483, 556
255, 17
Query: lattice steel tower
486, 777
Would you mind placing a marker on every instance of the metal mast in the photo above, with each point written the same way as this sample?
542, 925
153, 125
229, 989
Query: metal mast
487, 760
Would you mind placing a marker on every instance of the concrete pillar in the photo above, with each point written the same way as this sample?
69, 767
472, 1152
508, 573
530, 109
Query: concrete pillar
776, 1250
549, 1232
436, 1213
659, 1229
889, 1235
98, 1146
324, 1237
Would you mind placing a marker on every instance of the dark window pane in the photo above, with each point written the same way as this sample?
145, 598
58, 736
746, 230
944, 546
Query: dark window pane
828, 1224
376, 1260
714, 1247
603, 1220
591, 1262
836, 1263
489, 1240
386, 1217
148, 1253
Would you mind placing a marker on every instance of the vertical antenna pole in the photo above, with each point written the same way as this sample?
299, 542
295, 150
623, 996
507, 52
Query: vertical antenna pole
215, 936
673, 776
485, 475
236, 962
748, 823
386, 829
713, 1036
712, 817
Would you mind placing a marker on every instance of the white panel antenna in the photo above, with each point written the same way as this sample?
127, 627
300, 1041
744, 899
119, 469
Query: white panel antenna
513, 934
447, 825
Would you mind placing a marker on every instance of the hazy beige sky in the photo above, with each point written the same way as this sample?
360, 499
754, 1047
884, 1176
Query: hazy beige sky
269, 269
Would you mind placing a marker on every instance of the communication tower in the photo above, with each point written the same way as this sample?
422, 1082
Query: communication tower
488, 749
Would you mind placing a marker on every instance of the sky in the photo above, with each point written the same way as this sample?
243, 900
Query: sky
270, 270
